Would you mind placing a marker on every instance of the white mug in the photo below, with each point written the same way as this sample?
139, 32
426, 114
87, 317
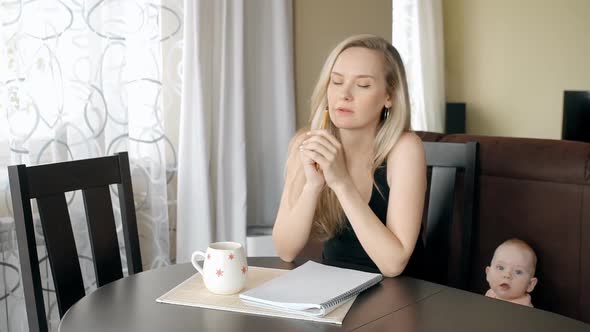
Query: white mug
224, 268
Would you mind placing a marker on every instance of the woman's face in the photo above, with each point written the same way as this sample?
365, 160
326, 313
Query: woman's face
357, 89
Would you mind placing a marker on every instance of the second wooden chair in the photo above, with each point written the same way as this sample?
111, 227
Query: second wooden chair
48, 185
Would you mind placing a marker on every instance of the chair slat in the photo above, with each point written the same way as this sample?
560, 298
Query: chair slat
129, 220
72, 175
103, 235
469, 184
61, 249
27, 249
438, 225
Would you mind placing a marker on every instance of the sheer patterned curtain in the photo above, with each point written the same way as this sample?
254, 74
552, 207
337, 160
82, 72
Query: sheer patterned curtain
82, 79
417, 33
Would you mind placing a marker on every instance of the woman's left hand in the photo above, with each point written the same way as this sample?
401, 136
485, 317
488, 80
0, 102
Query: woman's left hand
327, 152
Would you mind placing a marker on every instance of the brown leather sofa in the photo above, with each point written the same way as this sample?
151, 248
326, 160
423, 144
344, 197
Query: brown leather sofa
537, 190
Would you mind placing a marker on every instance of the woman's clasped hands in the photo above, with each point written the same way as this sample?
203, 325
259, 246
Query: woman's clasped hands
321, 148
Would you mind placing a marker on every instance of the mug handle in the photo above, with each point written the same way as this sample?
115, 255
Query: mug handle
194, 260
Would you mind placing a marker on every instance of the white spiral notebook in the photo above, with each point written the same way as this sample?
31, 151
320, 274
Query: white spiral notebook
311, 289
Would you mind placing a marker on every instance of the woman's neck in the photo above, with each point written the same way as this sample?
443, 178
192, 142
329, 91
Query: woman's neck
358, 146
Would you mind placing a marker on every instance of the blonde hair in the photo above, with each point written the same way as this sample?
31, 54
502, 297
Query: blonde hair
329, 216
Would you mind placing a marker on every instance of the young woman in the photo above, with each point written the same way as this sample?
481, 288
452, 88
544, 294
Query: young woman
358, 184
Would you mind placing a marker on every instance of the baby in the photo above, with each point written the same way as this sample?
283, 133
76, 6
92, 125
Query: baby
512, 272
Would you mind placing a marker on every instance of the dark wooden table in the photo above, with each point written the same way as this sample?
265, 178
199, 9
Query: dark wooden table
400, 304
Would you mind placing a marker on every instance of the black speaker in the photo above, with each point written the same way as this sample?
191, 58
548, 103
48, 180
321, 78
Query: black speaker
576, 116
455, 118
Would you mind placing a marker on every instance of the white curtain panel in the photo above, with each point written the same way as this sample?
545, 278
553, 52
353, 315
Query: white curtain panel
237, 117
417, 33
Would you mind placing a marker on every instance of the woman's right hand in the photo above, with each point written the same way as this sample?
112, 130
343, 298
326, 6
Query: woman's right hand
313, 174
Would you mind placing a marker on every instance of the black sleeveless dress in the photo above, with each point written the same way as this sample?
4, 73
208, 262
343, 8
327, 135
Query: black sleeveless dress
345, 247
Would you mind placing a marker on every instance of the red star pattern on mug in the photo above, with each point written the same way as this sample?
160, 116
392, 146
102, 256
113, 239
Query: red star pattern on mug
231, 257
219, 273
208, 256
244, 269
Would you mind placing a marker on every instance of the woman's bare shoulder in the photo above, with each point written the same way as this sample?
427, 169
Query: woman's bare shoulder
409, 145
407, 157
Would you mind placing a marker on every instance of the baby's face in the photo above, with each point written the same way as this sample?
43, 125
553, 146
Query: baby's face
511, 272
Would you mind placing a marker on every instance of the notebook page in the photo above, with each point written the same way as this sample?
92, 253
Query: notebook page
309, 285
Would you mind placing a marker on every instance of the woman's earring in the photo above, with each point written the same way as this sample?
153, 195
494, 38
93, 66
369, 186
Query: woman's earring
386, 113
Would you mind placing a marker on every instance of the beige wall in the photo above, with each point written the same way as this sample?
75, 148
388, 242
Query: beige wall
319, 25
508, 60
511, 60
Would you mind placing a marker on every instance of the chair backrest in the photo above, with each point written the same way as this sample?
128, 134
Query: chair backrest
443, 161
48, 185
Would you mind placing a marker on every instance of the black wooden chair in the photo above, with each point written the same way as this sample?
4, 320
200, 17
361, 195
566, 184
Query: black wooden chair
444, 160
48, 185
